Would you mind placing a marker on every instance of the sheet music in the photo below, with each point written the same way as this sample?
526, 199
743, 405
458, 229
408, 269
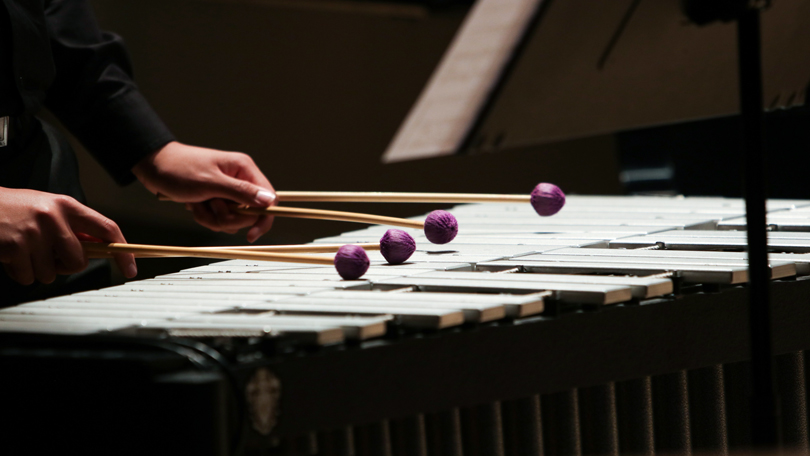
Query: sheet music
458, 89
592, 68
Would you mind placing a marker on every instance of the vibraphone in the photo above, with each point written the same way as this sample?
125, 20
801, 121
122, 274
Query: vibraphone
617, 326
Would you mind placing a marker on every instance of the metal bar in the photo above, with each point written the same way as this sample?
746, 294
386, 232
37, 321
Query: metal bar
671, 413
561, 433
380, 439
444, 433
737, 382
634, 407
790, 376
598, 421
372, 439
522, 427
408, 436
488, 423
707, 410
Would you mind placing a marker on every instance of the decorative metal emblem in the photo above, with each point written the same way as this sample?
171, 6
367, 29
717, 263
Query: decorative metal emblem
262, 393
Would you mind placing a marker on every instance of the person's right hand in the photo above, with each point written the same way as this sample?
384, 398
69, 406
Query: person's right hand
38, 240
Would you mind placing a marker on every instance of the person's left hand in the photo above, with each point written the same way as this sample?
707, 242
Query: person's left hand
205, 179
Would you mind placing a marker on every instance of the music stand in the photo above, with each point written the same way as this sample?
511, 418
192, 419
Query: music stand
532, 71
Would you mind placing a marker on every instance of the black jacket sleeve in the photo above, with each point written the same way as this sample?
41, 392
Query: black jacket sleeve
93, 93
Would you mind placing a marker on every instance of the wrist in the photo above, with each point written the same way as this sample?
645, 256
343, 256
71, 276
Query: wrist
147, 166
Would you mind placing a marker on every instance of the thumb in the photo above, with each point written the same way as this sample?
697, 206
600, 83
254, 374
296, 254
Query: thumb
245, 192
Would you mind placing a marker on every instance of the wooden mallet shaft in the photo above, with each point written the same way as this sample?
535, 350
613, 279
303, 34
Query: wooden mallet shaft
321, 214
304, 248
398, 197
97, 248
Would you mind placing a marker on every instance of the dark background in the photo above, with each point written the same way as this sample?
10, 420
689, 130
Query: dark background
313, 91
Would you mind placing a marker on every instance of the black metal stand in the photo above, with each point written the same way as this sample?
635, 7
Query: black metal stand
764, 405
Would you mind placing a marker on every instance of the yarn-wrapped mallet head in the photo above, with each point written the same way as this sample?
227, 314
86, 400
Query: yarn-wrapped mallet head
547, 199
351, 262
397, 246
441, 227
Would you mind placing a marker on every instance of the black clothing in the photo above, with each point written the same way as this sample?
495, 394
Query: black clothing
60, 59
52, 54
10, 101
40, 158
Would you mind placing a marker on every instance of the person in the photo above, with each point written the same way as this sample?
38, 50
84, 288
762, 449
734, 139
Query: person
54, 55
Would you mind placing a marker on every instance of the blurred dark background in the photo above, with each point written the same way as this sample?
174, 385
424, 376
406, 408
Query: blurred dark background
314, 90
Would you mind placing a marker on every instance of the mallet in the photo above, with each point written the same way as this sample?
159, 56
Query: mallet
440, 227
547, 199
351, 261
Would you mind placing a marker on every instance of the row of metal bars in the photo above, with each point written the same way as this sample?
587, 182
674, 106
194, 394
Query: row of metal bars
700, 410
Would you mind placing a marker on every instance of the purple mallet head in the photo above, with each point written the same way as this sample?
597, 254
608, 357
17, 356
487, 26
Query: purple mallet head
547, 199
441, 227
397, 246
351, 262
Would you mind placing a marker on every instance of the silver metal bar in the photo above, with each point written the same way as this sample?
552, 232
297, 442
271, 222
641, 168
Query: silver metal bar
222, 288
643, 287
689, 273
802, 261
45, 326
355, 327
575, 293
473, 312
517, 305
413, 317
779, 269
257, 281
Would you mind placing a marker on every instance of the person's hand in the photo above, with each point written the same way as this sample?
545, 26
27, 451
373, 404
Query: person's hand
206, 179
38, 235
